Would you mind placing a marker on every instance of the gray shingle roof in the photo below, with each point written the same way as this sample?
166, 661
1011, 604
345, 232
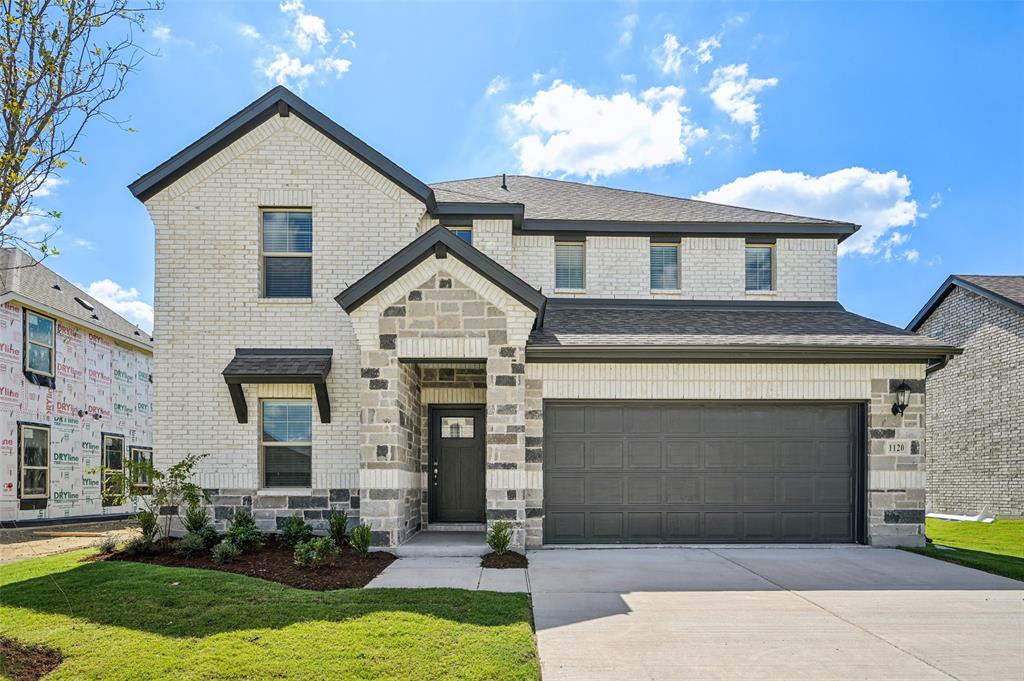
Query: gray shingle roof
33, 282
1009, 287
306, 364
581, 323
547, 199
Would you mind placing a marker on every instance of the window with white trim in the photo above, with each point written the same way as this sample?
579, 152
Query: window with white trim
40, 343
113, 461
286, 251
142, 460
286, 443
759, 267
664, 267
34, 462
570, 266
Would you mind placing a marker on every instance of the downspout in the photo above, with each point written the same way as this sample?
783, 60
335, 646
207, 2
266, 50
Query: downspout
937, 366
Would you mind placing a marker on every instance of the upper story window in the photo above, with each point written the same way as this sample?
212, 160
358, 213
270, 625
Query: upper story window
464, 233
664, 267
570, 266
40, 345
34, 461
759, 267
287, 253
286, 442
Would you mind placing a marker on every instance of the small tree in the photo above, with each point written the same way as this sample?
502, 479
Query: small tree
171, 488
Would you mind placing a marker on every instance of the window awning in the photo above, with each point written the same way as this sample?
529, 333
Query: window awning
272, 365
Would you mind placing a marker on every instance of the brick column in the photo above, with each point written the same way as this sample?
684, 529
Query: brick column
506, 435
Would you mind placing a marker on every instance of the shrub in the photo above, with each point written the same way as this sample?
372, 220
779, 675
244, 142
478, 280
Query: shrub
209, 535
295, 530
191, 543
108, 544
360, 540
225, 552
196, 519
138, 546
147, 521
315, 552
499, 537
243, 533
337, 527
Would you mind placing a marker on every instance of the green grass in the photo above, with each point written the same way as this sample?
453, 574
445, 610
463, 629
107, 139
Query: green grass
993, 547
122, 620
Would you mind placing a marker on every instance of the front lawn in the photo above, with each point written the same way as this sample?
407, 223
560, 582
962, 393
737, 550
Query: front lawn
993, 547
114, 619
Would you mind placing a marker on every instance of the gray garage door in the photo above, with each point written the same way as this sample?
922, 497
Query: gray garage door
638, 472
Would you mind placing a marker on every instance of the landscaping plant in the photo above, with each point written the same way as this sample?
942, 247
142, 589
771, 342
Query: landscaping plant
361, 538
337, 527
137, 546
243, 533
148, 525
499, 537
295, 530
225, 552
191, 543
107, 545
315, 552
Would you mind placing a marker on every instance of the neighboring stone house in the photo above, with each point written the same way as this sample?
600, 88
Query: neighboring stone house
588, 364
75, 396
976, 404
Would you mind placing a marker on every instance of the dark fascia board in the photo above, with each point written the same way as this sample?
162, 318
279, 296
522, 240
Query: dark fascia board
318, 379
580, 303
736, 353
280, 101
798, 230
482, 210
438, 239
944, 290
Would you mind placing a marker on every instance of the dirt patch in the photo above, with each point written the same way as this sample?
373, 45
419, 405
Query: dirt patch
273, 562
507, 560
20, 662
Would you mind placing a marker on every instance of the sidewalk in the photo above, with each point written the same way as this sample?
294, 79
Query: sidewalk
449, 573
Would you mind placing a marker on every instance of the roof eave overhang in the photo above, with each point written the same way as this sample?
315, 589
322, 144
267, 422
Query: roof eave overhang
14, 296
440, 242
800, 230
737, 353
480, 210
318, 379
277, 102
945, 289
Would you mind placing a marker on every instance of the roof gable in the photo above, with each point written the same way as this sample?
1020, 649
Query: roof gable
1005, 290
439, 242
279, 101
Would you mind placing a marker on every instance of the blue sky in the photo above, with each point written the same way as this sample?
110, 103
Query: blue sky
906, 118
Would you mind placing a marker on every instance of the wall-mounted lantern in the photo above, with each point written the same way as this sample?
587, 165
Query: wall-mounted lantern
902, 399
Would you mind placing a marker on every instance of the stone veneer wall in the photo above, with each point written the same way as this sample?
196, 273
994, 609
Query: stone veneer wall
895, 482
976, 408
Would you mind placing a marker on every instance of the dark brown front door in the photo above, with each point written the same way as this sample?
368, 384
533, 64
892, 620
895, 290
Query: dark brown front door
457, 464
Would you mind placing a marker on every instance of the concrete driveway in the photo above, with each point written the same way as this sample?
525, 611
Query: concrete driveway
772, 613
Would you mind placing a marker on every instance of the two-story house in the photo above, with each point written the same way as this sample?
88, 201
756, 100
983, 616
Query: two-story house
589, 364
75, 397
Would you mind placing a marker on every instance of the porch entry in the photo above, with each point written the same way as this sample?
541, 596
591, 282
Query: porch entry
457, 464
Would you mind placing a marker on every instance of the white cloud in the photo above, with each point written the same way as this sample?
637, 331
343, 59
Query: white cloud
49, 185
628, 78
335, 65
705, 50
879, 202
669, 56
935, 201
249, 31
497, 84
734, 92
162, 33
912, 255
629, 24
285, 70
85, 243
565, 129
123, 301
293, 65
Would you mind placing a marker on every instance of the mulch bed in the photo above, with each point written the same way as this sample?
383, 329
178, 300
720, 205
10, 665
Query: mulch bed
347, 570
20, 662
509, 559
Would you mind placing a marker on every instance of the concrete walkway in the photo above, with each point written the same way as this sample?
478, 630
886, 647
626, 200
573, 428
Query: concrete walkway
30, 542
772, 614
450, 573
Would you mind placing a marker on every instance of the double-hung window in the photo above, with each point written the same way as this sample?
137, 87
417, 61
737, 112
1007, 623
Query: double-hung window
142, 460
287, 252
34, 462
664, 267
759, 270
464, 233
570, 266
40, 343
113, 462
286, 442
